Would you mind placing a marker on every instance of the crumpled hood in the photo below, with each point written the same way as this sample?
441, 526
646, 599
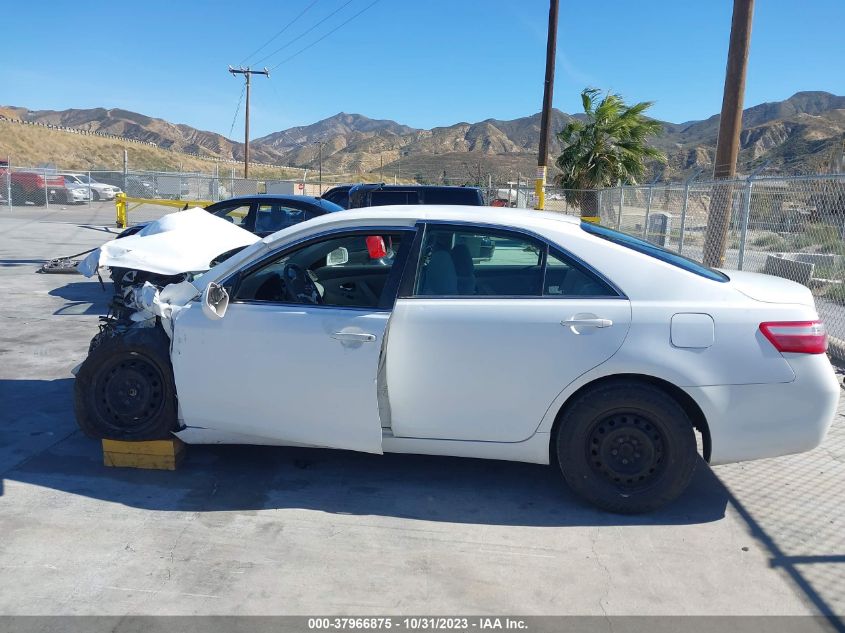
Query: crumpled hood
181, 242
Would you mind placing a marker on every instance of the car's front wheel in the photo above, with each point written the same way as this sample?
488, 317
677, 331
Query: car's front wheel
124, 390
626, 447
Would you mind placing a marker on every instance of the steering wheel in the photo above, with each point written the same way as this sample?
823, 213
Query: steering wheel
299, 286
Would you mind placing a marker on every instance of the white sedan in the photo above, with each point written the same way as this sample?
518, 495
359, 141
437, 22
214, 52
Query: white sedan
501, 334
97, 190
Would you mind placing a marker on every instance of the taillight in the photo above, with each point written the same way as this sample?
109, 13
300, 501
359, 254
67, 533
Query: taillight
801, 337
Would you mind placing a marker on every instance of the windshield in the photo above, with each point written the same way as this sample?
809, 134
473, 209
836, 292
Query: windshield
647, 248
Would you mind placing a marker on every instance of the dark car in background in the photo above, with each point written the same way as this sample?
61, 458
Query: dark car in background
263, 214
380, 194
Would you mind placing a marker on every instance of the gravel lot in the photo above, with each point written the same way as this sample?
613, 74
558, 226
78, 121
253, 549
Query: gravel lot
246, 530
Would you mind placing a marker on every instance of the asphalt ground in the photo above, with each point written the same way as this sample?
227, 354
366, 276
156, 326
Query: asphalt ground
249, 530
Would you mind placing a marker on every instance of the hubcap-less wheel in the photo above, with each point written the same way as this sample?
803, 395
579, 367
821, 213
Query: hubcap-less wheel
626, 449
130, 394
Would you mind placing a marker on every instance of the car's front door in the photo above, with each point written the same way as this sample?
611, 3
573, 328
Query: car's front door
494, 326
295, 358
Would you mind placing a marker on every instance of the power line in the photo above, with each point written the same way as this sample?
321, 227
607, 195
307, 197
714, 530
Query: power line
301, 35
237, 109
317, 41
286, 27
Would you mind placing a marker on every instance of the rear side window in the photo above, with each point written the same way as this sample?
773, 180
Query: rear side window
567, 278
647, 248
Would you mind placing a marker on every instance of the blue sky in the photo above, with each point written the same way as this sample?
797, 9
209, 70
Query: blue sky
421, 63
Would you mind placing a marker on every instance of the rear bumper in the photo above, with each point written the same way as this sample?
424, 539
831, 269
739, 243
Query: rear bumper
757, 421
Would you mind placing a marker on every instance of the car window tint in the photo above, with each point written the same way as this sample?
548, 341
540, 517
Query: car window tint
234, 214
566, 277
349, 271
467, 196
382, 198
469, 262
275, 217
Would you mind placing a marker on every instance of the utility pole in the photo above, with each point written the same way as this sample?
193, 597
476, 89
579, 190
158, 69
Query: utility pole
730, 126
320, 145
548, 89
247, 73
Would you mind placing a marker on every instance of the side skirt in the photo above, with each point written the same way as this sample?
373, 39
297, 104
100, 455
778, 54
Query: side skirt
534, 450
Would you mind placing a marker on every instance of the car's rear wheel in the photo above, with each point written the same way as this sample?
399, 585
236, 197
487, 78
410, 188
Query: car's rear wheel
124, 390
626, 447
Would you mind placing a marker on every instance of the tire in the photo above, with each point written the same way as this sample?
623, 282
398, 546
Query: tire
124, 390
95, 196
626, 447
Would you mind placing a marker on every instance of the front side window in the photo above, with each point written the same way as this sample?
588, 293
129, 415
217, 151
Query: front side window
350, 271
479, 262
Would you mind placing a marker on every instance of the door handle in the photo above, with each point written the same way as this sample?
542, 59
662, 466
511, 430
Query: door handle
354, 337
587, 322
347, 287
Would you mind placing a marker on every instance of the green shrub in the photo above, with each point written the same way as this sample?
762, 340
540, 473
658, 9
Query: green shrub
835, 292
769, 242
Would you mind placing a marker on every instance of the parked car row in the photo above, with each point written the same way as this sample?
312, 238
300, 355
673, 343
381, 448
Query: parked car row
45, 187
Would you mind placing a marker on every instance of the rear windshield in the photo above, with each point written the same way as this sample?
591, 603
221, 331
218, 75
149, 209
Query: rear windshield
647, 248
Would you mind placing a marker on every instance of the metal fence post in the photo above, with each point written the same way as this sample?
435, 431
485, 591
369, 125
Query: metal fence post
647, 211
46, 191
90, 197
9, 182
598, 209
746, 212
621, 206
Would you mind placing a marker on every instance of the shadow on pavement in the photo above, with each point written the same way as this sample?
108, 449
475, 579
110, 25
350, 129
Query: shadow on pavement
243, 478
83, 297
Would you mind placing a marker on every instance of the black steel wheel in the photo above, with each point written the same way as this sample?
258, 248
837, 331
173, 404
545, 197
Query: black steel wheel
125, 390
626, 446
626, 449
128, 393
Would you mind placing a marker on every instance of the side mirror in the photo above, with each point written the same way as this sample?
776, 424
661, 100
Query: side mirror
215, 301
338, 257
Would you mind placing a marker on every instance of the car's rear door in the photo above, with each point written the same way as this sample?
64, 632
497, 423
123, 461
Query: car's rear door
479, 347
283, 369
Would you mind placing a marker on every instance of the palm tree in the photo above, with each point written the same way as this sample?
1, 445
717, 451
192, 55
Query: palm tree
606, 148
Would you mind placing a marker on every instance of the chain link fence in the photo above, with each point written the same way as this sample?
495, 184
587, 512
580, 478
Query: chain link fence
792, 227
789, 226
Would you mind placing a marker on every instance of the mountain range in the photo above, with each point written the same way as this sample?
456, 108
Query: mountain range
802, 134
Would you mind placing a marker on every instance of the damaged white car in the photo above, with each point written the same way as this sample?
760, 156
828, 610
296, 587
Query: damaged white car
171, 249
507, 334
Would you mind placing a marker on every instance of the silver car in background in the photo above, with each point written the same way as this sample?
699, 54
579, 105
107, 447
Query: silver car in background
98, 190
